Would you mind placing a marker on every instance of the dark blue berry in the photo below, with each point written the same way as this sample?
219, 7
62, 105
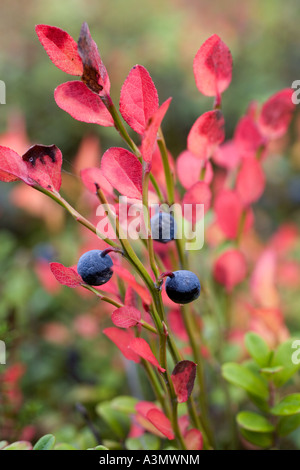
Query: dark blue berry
94, 268
183, 287
163, 227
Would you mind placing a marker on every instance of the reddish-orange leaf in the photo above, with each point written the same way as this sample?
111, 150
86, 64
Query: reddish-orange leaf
161, 422
150, 134
124, 171
206, 134
131, 281
230, 269
40, 165
251, 181
66, 276
183, 378
94, 72
142, 409
177, 325
199, 193
189, 168
130, 297
247, 137
61, 48
227, 155
228, 209
193, 440
213, 67
82, 104
139, 99
122, 339
125, 317
92, 178
263, 280
276, 114
140, 347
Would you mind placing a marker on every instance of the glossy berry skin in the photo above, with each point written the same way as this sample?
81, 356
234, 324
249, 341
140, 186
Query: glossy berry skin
94, 268
183, 287
163, 227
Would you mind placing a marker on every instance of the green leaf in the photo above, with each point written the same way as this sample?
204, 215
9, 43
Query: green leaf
144, 442
254, 422
259, 439
117, 421
19, 445
98, 448
290, 405
262, 405
258, 349
268, 372
64, 446
112, 445
46, 442
3, 444
283, 357
124, 404
288, 424
244, 378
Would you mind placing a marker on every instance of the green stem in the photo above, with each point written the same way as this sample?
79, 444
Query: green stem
167, 168
78, 217
102, 297
153, 265
190, 329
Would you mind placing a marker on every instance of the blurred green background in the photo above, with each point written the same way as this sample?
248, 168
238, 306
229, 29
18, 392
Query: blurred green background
65, 365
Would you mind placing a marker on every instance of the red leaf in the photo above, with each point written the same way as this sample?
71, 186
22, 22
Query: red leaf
228, 210
140, 347
263, 280
150, 135
122, 339
125, 317
213, 67
94, 72
247, 137
189, 167
40, 165
177, 325
130, 297
82, 104
124, 172
43, 164
251, 181
161, 422
12, 166
92, 177
66, 276
61, 48
139, 99
230, 269
276, 114
227, 155
183, 378
193, 440
131, 281
206, 134
142, 408
199, 193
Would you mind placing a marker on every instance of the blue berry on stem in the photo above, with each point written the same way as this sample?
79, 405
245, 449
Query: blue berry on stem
95, 267
183, 287
163, 227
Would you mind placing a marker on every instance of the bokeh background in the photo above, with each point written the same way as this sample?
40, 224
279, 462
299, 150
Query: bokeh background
52, 334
